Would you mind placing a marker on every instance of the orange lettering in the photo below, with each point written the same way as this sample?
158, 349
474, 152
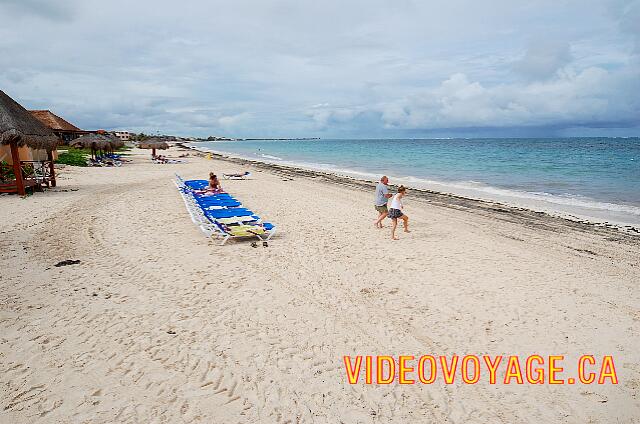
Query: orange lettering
493, 366
539, 371
513, 371
553, 369
432, 374
465, 369
352, 373
404, 369
380, 369
369, 368
581, 374
608, 370
449, 371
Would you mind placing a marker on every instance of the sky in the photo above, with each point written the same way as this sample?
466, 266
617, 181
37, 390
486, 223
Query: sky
331, 69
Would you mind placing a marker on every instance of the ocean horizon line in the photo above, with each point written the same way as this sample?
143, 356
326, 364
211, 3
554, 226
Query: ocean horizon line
231, 138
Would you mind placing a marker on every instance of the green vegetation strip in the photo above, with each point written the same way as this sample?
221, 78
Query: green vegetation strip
72, 156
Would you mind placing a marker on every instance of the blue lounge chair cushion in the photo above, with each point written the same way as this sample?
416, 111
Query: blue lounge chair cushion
213, 198
222, 204
197, 185
227, 213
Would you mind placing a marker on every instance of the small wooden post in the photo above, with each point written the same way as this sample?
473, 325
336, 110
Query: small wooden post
17, 169
153, 152
51, 168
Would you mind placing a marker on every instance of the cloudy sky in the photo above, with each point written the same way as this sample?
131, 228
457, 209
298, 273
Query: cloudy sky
350, 68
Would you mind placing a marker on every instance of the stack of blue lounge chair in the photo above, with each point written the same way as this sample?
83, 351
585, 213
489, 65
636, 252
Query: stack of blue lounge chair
221, 215
105, 160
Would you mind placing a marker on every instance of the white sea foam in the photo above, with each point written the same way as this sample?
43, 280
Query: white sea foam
270, 157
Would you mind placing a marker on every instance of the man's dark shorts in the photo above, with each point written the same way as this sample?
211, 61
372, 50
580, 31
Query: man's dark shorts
382, 209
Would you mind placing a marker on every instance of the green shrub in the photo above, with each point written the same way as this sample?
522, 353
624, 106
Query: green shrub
73, 157
6, 172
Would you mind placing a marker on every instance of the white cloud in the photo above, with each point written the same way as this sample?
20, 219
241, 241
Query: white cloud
590, 97
232, 121
543, 59
288, 67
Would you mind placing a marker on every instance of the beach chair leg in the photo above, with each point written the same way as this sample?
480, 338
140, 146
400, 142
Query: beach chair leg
271, 233
224, 240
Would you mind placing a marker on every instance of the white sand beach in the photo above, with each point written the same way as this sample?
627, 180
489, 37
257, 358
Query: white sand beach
158, 324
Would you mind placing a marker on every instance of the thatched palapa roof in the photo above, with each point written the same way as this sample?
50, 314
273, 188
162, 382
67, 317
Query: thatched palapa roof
97, 141
158, 145
53, 121
116, 142
92, 141
17, 124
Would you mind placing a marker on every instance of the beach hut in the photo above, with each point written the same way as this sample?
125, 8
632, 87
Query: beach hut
153, 145
19, 130
60, 127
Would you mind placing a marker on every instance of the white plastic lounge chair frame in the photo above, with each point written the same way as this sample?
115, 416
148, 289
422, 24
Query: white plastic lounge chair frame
236, 176
211, 227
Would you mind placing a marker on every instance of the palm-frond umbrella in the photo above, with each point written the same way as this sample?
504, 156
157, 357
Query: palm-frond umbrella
92, 141
153, 145
115, 142
19, 128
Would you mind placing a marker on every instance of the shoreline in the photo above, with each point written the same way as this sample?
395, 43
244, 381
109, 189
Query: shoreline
570, 205
502, 211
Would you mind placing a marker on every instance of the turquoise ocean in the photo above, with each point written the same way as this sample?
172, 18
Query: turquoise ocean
588, 178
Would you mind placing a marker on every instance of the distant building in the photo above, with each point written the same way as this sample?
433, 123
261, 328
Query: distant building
62, 128
123, 135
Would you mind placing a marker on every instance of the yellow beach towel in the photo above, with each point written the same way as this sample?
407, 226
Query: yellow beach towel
244, 230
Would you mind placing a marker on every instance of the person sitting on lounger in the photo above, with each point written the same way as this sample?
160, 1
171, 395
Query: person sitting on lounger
214, 184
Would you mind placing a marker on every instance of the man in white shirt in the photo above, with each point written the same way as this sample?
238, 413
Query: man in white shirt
382, 196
